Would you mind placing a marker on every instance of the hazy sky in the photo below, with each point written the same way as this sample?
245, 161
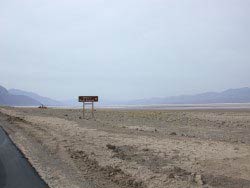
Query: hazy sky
124, 49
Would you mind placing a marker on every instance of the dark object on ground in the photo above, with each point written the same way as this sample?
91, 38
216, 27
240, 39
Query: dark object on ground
42, 106
173, 133
15, 170
112, 147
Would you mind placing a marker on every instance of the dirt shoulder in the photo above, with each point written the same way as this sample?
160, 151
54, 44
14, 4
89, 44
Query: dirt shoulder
134, 148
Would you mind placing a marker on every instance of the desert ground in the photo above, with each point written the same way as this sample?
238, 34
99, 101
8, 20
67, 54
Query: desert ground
134, 148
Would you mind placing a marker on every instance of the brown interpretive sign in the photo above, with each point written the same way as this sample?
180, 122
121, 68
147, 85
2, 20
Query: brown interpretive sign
88, 100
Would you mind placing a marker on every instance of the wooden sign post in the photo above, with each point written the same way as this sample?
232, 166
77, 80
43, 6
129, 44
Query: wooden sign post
88, 100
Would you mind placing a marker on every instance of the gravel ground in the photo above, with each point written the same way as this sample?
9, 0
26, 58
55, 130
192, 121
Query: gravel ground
134, 148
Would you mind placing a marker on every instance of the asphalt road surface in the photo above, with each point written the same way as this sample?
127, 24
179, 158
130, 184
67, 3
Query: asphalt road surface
15, 170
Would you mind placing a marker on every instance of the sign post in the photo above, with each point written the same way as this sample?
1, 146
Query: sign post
88, 100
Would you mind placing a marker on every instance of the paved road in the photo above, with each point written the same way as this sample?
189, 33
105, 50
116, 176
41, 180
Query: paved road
15, 170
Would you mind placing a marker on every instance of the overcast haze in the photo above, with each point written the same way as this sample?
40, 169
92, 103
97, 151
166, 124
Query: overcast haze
124, 49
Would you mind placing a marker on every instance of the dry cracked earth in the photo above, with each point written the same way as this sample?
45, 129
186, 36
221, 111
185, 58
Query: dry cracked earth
134, 148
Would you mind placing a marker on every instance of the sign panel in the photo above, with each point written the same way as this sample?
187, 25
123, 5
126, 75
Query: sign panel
88, 99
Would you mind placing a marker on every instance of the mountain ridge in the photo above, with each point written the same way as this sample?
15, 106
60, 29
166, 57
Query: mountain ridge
240, 95
16, 97
7, 99
43, 100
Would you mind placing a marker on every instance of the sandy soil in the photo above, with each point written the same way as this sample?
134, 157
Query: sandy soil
134, 148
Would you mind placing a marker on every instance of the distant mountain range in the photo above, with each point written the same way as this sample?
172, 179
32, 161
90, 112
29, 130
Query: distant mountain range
7, 99
15, 97
43, 100
241, 95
